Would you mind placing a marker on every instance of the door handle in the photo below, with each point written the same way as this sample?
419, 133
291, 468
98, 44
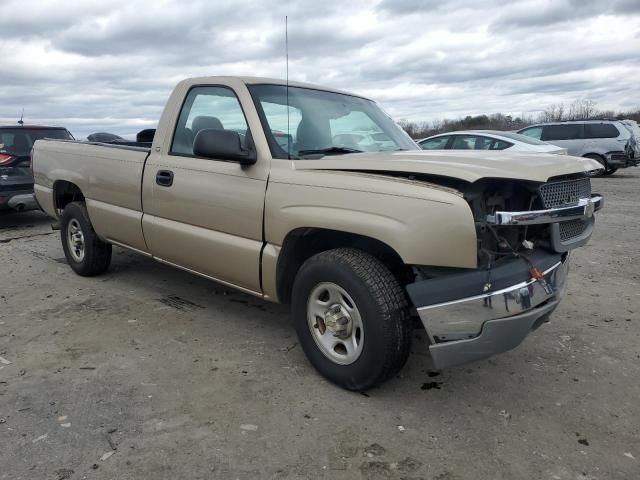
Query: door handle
164, 178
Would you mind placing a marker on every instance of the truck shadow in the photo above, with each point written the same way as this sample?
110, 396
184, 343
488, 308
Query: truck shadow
183, 290
195, 298
10, 220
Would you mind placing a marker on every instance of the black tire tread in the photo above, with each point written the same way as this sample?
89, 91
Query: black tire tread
97, 253
391, 302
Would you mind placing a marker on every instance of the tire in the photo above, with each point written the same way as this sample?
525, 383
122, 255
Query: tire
601, 160
86, 253
610, 171
379, 311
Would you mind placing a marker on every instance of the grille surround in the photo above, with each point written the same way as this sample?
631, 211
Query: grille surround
565, 193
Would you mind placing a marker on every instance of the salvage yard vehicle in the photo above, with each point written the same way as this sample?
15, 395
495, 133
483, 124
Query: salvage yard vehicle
607, 141
16, 181
16, 189
16, 142
488, 140
634, 143
355, 241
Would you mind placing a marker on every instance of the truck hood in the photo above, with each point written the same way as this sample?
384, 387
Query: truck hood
469, 166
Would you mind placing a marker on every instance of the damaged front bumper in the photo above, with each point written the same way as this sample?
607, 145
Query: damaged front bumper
497, 312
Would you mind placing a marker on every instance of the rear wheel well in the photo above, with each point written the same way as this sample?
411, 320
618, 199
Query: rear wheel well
302, 243
64, 193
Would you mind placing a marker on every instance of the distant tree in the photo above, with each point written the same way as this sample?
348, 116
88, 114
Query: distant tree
553, 113
583, 109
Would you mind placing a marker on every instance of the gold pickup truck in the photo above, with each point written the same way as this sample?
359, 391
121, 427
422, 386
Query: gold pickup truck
314, 197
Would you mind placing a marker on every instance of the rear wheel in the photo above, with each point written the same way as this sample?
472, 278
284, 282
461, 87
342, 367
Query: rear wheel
352, 318
86, 253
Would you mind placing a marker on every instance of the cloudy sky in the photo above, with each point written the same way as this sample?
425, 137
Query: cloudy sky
109, 65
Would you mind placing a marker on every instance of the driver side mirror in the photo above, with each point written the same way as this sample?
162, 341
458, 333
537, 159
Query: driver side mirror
223, 145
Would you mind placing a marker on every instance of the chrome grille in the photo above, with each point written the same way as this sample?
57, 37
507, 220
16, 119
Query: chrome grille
565, 192
572, 229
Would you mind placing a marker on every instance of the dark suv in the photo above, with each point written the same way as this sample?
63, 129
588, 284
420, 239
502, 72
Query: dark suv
16, 180
16, 142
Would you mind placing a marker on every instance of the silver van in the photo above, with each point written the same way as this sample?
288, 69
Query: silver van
607, 141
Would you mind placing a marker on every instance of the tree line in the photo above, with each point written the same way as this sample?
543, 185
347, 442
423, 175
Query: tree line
583, 109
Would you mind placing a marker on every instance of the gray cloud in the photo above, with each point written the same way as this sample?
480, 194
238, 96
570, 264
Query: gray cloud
110, 65
532, 14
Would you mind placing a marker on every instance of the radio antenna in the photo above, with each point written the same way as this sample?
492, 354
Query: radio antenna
20, 122
286, 49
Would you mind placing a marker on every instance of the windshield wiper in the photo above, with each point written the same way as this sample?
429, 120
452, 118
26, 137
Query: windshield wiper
329, 151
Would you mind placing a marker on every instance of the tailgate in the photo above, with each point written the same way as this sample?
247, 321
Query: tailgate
15, 179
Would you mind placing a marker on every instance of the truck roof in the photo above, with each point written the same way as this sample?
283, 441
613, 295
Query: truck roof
248, 80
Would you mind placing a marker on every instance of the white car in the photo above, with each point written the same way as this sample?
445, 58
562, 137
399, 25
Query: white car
367, 141
488, 140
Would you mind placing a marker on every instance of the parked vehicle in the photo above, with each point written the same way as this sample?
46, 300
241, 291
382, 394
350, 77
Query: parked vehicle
16, 142
354, 241
16, 181
606, 141
634, 143
143, 138
374, 141
16, 189
488, 140
104, 137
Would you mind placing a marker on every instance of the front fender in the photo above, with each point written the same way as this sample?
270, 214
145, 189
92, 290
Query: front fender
424, 225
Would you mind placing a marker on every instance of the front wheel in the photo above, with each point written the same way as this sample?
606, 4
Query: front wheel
352, 318
86, 253
610, 171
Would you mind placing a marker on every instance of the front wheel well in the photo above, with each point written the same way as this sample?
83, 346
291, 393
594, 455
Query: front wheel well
64, 193
303, 243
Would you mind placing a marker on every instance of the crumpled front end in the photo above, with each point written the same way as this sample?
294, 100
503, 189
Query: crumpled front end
470, 316
522, 268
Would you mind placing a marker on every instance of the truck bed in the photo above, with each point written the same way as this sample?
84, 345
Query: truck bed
108, 172
124, 144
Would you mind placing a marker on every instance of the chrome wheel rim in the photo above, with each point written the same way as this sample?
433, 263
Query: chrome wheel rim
75, 240
335, 323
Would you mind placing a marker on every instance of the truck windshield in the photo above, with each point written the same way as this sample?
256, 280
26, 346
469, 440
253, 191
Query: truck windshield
320, 123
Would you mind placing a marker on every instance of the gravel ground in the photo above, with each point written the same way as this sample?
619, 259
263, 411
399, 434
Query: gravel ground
151, 373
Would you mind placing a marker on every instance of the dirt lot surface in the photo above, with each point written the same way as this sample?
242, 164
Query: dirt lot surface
150, 373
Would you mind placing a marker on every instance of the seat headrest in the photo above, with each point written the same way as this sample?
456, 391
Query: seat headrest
202, 122
20, 143
146, 135
313, 134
